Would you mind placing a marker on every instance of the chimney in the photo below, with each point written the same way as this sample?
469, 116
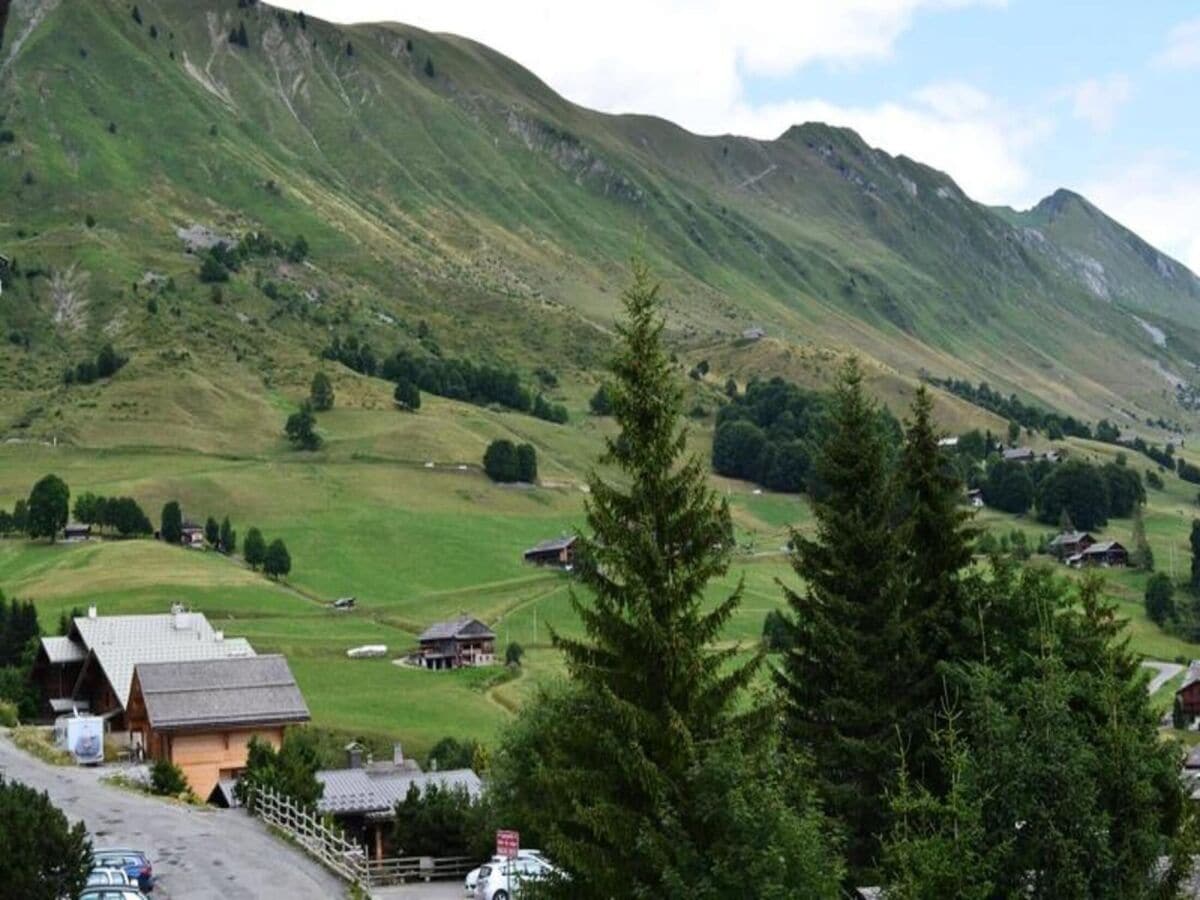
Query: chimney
354, 756
397, 754
219, 636
91, 612
183, 619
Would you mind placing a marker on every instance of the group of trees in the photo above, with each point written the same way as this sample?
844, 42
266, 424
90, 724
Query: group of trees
942, 731
301, 428
122, 515
19, 631
507, 462
1086, 494
106, 364
440, 820
274, 557
290, 771
223, 258
1054, 425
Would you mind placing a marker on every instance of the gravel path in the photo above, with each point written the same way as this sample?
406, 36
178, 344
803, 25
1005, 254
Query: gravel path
1164, 672
197, 853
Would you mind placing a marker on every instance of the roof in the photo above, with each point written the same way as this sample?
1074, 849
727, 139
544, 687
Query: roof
1069, 537
365, 791
1192, 676
1018, 453
552, 545
121, 642
254, 690
1103, 547
440, 631
63, 650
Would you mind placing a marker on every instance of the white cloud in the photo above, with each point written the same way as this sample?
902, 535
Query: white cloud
951, 126
686, 60
1183, 46
1097, 100
1156, 197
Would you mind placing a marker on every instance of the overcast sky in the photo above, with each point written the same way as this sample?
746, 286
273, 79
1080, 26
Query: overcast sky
1013, 99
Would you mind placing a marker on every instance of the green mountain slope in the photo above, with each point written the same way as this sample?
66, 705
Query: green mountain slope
438, 181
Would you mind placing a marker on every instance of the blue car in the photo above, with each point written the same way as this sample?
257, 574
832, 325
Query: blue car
134, 863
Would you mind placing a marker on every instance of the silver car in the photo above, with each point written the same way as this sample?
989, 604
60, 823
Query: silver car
102, 876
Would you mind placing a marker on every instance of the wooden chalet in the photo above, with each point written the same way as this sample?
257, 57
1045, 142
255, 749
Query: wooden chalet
1104, 553
192, 535
91, 668
975, 498
554, 552
461, 642
77, 531
1067, 544
1019, 454
202, 714
1187, 698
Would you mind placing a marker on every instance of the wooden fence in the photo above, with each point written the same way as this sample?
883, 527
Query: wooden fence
331, 847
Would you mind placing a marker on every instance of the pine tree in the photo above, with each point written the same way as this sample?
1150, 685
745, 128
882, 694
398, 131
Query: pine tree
839, 676
1142, 556
228, 537
212, 532
255, 548
1194, 541
320, 394
429, 66
935, 549
663, 780
172, 522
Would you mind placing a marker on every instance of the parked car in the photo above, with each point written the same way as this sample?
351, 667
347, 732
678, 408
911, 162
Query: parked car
473, 876
112, 892
133, 863
503, 880
108, 876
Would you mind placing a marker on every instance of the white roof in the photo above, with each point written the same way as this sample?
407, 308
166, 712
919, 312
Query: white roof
122, 642
62, 650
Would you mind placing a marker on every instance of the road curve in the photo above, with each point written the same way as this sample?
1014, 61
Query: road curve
197, 853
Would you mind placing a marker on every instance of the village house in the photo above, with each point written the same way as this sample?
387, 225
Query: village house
362, 798
77, 531
975, 498
1103, 553
91, 668
192, 535
202, 714
1019, 454
1067, 544
554, 552
1187, 698
461, 642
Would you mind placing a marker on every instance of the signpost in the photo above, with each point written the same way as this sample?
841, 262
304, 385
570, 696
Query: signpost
508, 843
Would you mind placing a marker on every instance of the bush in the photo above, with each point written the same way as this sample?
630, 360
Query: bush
513, 653
277, 561
300, 429
166, 779
601, 402
45, 856
441, 821
212, 270
527, 469
775, 633
500, 461
320, 394
8, 714
407, 396
1160, 599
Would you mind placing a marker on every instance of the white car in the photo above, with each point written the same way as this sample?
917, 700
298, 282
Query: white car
473, 876
102, 876
503, 880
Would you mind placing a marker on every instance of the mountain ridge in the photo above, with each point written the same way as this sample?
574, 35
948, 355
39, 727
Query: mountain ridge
476, 198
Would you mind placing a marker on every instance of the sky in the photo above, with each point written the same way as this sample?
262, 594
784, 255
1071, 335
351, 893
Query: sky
1013, 98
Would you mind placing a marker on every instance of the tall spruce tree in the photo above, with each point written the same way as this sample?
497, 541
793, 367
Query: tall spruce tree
653, 774
935, 548
839, 675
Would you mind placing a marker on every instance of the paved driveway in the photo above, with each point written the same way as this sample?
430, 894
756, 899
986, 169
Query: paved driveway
1163, 672
198, 853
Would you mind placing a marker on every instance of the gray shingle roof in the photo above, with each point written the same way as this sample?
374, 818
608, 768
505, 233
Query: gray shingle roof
1069, 537
256, 690
364, 791
62, 650
1102, 547
441, 631
1192, 676
122, 642
560, 543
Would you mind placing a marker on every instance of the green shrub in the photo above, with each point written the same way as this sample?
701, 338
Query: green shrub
8, 714
166, 779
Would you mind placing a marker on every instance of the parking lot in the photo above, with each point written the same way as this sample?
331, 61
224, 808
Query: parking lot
197, 853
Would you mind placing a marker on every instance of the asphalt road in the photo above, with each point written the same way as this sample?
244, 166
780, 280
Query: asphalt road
197, 853
1164, 672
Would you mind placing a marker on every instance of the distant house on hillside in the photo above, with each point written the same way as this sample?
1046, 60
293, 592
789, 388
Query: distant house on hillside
753, 334
1070, 543
949, 442
77, 531
554, 552
202, 714
1019, 454
91, 668
1188, 695
461, 642
191, 535
975, 498
1104, 553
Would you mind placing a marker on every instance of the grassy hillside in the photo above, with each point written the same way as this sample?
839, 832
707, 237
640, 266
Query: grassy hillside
439, 182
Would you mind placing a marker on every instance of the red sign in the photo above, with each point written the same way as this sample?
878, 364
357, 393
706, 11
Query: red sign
507, 844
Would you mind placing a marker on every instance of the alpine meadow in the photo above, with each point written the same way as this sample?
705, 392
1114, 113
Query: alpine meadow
746, 517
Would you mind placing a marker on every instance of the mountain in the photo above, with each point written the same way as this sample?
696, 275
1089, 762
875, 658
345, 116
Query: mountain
449, 197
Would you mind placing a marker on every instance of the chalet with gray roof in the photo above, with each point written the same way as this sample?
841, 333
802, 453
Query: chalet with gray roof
459, 642
1067, 544
202, 714
91, 668
1019, 454
558, 551
1102, 553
